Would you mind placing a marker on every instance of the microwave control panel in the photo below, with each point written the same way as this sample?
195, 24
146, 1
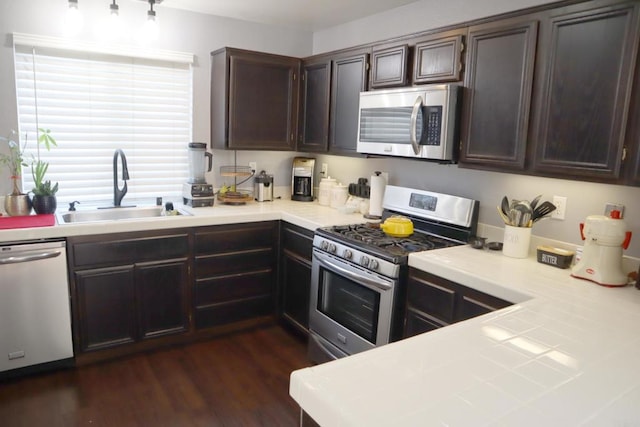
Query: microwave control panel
432, 125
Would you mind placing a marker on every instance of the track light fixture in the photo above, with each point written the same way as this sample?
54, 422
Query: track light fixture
113, 7
73, 21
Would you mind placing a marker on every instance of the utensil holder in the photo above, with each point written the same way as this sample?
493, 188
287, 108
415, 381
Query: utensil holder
516, 241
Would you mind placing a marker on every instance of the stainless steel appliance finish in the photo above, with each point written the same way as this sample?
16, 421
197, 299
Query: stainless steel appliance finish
302, 179
263, 187
410, 122
358, 281
197, 195
35, 318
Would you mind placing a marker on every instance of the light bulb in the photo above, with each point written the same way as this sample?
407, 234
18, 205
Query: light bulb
73, 20
149, 31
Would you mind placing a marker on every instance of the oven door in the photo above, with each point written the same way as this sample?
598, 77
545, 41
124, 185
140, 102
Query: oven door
350, 307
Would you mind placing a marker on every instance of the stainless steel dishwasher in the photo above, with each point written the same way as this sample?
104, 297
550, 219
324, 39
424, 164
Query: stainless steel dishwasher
35, 317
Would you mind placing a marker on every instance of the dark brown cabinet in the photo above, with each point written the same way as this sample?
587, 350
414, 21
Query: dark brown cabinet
349, 77
234, 272
497, 97
586, 73
315, 99
389, 67
128, 288
434, 302
438, 58
254, 100
296, 246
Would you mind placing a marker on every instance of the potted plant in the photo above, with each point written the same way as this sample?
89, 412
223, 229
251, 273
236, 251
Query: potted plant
44, 193
17, 203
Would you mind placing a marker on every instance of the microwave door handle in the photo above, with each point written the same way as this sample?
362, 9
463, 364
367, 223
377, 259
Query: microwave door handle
414, 122
325, 261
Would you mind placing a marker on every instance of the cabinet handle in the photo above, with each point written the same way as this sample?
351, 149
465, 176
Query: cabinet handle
624, 153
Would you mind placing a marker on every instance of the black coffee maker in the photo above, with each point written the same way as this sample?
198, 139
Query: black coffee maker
302, 179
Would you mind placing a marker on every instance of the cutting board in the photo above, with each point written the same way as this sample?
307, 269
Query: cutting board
45, 220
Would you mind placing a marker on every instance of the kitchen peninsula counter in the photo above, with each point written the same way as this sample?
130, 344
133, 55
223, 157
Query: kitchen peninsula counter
309, 215
566, 353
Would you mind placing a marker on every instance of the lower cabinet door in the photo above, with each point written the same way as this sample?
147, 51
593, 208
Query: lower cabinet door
162, 299
296, 284
416, 323
106, 305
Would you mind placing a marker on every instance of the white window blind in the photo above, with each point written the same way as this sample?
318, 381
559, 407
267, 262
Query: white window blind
95, 103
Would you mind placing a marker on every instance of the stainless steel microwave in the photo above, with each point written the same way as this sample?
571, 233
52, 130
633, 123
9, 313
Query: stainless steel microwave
418, 122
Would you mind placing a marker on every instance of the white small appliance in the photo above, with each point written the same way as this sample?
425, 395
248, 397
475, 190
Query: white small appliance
601, 262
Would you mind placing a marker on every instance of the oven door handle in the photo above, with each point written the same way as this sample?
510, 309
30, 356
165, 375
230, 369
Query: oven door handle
326, 262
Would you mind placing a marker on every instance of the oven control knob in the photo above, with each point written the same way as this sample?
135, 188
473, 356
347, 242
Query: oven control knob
324, 245
373, 264
364, 261
332, 248
347, 254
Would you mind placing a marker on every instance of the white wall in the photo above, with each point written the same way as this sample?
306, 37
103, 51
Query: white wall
180, 31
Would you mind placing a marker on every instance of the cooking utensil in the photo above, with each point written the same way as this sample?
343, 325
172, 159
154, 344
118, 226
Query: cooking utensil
397, 226
503, 215
543, 210
505, 205
535, 201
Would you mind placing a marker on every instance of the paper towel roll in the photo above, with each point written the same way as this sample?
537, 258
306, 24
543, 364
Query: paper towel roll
378, 184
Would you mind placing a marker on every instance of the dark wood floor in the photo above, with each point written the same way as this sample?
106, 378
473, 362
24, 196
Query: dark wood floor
236, 380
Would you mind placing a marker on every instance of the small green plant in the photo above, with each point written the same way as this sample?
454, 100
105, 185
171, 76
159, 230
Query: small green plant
14, 160
39, 167
42, 187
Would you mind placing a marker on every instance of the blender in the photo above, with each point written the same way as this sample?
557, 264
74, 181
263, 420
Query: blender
196, 192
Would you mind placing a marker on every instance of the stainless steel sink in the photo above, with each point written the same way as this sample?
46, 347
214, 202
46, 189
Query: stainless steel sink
111, 214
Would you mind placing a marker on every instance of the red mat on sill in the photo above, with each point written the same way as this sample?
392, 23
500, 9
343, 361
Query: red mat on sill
27, 221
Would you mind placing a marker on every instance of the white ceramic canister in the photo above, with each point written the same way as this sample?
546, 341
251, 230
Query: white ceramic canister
516, 241
339, 195
324, 190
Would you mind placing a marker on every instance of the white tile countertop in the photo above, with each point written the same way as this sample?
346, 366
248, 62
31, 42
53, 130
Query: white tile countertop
565, 354
308, 215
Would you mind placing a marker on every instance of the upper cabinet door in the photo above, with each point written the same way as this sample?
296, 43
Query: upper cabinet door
438, 59
389, 67
254, 99
314, 106
349, 78
589, 62
497, 98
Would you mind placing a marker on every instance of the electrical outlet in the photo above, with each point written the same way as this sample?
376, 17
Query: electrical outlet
253, 166
614, 207
325, 170
561, 207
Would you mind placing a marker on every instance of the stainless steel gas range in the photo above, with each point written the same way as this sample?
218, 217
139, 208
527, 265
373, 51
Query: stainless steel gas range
358, 281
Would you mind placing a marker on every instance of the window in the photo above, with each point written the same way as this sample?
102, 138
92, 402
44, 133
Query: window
96, 101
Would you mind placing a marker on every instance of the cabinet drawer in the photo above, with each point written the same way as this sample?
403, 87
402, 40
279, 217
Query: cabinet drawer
233, 287
129, 250
244, 237
239, 262
297, 241
222, 314
431, 298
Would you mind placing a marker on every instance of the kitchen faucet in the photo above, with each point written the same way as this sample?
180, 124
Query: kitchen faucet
118, 194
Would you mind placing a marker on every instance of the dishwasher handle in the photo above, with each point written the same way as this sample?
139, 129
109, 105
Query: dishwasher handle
28, 258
